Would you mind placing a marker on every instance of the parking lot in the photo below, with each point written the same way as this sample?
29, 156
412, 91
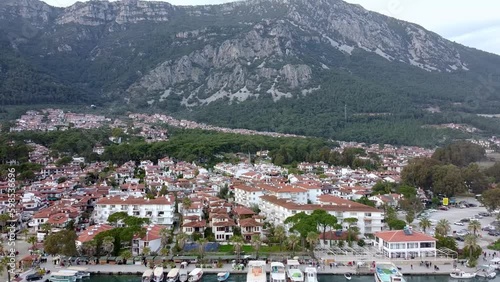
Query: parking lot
456, 214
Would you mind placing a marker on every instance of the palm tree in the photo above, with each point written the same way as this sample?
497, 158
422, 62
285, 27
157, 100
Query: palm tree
164, 233
186, 203
181, 240
470, 243
443, 227
474, 226
312, 239
425, 223
202, 243
293, 240
126, 255
4, 217
4, 266
164, 251
108, 244
25, 232
46, 227
89, 248
237, 244
146, 251
352, 231
280, 235
32, 240
256, 243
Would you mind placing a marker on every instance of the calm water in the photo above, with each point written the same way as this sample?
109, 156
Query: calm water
321, 278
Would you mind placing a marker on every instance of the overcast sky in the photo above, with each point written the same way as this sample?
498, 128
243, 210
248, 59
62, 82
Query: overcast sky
472, 23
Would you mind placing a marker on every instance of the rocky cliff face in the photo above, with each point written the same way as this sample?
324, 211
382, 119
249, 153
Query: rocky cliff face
233, 52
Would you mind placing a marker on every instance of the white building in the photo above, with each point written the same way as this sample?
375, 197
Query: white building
222, 226
405, 244
247, 195
276, 211
159, 210
152, 239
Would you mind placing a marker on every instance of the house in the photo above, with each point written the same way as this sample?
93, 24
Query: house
151, 239
405, 244
222, 226
246, 195
89, 234
159, 210
193, 224
391, 200
332, 237
251, 226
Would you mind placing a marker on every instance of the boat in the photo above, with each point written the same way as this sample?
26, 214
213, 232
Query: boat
222, 276
294, 274
147, 276
195, 275
78, 274
62, 277
460, 274
183, 273
82, 271
348, 276
158, 274
387, 272
277, 272
495, 263
311, 274
173, 275
486, 271
256, 271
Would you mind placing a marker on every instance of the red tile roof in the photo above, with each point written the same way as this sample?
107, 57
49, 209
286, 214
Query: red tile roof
90, 233
400, 236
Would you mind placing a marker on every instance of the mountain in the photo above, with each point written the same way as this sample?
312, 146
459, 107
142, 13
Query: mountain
313, 67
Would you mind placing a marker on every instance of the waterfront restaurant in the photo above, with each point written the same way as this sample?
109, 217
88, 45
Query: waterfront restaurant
405, 244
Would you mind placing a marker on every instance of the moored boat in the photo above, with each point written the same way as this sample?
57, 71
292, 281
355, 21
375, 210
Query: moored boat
486, 271
311, 274
387, 272
195, 275
294, 274
82, 271
256, 271
147, 276
460, 274
222, 276
348, 276
183, 273
277, 272
158, 274
173, 275
62, 277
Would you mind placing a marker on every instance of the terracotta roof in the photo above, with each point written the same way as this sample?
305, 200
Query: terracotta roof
400, 236
332, 235
246, 188
224, 223
352, 206
200, 223
247, 222
93, 230
243, 211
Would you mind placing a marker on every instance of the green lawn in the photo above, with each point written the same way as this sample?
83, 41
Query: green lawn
250, 249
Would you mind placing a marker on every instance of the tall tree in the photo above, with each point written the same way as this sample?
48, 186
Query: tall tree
256, 242
164, 233
292, 241
108, 244
280, 235
324, 220
491, 199
472, 248
237, 242
474, 226
202, 244
443, 227
424, 224
312, 239
89, 248
181, 239
419, 171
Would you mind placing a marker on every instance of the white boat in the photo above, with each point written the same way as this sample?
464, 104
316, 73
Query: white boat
62, 277
78, 274
222, 276
495, 263
158, 274
294, 274
387, 272
256, 271
311, 274
486, 271
195, 275
459, 274
82, 271
183, 273
147, 276
277, 272
348, 276
173, 275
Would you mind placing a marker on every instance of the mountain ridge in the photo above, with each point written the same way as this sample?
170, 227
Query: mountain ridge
221, 63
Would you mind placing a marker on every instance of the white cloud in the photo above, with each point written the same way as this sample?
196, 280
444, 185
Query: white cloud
466, 22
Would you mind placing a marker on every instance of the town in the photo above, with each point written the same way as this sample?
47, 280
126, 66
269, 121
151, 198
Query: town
159, 212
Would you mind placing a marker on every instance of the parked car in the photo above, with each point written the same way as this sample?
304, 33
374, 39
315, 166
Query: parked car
485, 214
494, 233
34, 277
444, 208
478, 216
462, 206
471, 205
465, 220
459, 238
489, 228
459, 223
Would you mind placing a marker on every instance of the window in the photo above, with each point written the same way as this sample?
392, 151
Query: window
368, 214
426, 244
412, 245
